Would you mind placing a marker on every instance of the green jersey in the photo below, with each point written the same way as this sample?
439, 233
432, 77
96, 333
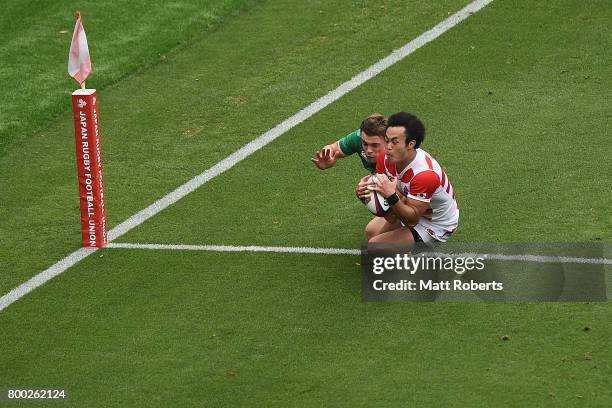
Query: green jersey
351, 144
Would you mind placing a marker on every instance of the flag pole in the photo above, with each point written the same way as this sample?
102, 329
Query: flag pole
90, 172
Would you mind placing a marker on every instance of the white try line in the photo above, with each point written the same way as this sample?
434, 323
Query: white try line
239, 248
250, 148
528, 258
355, 252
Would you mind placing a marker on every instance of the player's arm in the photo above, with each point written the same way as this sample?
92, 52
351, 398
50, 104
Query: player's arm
328, 155
410, 209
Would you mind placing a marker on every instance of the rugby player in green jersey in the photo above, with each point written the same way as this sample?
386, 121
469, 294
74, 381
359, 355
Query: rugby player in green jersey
368, 141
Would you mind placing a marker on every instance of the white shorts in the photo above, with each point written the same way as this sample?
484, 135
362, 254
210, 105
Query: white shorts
428, 236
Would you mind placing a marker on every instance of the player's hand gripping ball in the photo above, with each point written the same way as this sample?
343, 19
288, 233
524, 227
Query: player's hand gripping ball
375, 202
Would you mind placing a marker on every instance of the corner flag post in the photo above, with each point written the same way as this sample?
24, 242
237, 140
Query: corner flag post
87, 139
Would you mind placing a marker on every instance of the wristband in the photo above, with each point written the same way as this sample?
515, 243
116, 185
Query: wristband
392, 199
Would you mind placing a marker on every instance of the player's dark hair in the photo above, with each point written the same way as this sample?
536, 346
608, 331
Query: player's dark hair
374, 125
414, 128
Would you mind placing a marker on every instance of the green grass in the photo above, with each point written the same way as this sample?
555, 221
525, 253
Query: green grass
124, 37
516, 105
220, 330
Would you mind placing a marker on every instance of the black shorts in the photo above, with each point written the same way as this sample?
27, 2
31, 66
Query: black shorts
415, 235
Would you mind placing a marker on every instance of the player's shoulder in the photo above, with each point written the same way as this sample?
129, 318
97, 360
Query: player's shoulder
423, 162
350, 143
355, 135
422, 170
428, 177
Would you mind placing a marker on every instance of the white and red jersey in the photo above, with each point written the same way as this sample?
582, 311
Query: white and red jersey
424, 180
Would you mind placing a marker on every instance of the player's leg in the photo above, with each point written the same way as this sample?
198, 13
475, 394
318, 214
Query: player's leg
380, 225
402, 238
397, 236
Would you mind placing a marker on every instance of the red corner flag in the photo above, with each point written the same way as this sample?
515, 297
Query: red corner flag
79, 64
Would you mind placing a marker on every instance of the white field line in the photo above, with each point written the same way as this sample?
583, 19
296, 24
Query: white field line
233, 248
348, 251
46, 275
250, 148
528, 258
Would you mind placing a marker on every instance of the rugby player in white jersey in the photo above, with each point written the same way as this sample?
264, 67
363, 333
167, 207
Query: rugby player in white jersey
421, 197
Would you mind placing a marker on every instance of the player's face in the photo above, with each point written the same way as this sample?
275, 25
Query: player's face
397, 151
372, 146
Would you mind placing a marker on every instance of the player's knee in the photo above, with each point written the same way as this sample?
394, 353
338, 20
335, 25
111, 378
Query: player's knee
374, 239
378, 245
371, 230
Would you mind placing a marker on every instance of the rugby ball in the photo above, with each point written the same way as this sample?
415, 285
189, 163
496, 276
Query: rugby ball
376, 203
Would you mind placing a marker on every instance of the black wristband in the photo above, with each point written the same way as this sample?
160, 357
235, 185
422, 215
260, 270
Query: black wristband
392, 199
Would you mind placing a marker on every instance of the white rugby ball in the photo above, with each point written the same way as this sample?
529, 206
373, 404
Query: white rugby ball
376, 203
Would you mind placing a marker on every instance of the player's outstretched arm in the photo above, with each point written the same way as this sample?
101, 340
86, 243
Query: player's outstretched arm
327, 156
